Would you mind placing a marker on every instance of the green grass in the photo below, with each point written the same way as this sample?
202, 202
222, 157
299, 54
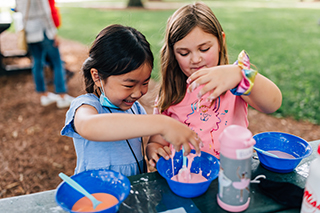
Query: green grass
150, 23
284, 44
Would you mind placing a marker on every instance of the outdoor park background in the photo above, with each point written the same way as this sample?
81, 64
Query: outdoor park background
282, 38
283, 41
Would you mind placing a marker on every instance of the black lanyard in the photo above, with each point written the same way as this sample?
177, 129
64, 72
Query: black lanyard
134, 155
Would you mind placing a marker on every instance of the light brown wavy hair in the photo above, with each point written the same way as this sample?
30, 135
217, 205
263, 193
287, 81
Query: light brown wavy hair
180, 24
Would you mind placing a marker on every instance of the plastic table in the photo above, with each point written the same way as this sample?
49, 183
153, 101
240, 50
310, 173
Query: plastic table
151, 193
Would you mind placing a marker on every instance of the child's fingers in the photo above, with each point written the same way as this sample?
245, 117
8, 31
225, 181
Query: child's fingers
187, 149
193, 77
214, 95
177, 148
193, 86
196, 79
154, 156
163, 153
196, 142
152, 163
203, 80
167, 149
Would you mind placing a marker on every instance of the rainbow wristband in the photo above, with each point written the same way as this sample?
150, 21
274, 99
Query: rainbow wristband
248, 75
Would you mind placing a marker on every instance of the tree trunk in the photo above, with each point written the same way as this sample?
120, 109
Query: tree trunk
135, 3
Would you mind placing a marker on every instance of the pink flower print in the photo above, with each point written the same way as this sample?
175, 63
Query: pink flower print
207, 114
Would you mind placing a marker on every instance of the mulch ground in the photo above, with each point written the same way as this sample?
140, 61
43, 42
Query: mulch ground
32, 151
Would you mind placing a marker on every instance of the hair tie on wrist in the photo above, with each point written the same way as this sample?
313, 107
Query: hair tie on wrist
248, 75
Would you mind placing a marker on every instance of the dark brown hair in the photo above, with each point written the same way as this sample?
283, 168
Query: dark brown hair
116, 50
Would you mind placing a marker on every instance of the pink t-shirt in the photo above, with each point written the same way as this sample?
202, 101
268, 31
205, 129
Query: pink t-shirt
209, 120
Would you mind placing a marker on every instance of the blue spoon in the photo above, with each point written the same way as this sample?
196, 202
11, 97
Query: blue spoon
80, 189
266, 152
184, 174
184, 158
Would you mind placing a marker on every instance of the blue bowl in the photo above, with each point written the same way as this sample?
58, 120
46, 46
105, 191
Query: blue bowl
208, 164
284, 142
94, 181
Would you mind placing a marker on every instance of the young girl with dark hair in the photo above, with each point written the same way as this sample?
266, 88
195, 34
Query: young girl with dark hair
107, 124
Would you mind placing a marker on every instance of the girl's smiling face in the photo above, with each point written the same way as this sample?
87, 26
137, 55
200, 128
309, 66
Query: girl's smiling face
197, 50
123, 90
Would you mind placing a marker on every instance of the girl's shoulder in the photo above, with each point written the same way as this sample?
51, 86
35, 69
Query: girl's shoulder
88, 99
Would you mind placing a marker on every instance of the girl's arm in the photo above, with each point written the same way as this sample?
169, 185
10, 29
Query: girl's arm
265, 96
112, 127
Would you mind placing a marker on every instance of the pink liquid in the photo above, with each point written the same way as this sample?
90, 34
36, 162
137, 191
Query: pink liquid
173, 152
282, 154
193, 177
184, 175
85, 205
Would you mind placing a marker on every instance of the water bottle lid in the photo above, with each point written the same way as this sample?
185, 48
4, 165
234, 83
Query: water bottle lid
236, 136
236, 142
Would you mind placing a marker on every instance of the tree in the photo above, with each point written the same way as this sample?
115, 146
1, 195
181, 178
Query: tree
135, 3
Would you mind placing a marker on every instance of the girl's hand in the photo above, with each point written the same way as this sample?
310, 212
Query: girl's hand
216, 80
179, 134
155, 151
265, 96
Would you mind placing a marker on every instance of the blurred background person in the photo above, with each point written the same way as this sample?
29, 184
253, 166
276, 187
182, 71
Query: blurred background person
41, 36
56, 17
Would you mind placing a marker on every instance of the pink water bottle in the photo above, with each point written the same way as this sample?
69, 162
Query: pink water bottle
311, 196
236, 148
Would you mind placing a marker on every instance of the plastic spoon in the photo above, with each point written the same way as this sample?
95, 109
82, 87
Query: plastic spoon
184, 159
184, 173
80, 189
266, 152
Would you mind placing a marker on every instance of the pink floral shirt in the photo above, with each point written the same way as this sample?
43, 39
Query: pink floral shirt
208, 119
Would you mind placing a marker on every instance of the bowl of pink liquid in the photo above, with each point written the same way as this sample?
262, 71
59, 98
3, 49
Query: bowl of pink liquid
288, 148
197, 177
109, 187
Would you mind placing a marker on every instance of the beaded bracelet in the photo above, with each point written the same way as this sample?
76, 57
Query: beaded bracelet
248, 75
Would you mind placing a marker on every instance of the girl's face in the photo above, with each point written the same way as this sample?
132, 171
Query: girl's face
123, 90
197, 50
